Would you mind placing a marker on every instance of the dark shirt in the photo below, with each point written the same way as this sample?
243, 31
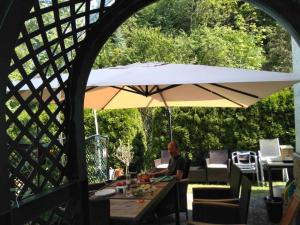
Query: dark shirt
175, 163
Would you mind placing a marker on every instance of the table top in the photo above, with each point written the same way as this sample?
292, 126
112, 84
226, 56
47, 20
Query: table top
126, 207
156, 189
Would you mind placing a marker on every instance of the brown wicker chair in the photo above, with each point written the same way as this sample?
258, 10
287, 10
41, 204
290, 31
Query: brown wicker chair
217, 166
233, 191
223, 212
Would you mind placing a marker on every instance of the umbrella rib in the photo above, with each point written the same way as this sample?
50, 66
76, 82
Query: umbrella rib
112, 98
222, 96
152, 88
164, 89
161, 95
234, 90
137, 90
124, 89
141, 88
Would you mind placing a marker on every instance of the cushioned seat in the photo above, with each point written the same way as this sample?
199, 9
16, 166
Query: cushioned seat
214, 165
222, 193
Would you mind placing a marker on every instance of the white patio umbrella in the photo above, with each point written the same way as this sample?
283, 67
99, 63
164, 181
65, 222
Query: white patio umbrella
159, 84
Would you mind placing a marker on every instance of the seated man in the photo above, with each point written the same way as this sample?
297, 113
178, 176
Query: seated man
176, 163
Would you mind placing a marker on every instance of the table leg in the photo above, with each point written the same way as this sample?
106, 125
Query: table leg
270, 182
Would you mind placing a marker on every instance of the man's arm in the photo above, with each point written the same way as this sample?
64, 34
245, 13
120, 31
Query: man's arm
161, 172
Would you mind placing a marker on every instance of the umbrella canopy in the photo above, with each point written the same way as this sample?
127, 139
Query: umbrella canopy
159, 84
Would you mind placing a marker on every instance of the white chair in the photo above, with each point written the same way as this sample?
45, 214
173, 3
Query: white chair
270, 151
246, 161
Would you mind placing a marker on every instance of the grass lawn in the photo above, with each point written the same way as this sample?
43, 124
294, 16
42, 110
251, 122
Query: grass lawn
255, 187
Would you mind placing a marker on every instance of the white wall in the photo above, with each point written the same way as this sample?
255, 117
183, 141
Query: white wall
296, 68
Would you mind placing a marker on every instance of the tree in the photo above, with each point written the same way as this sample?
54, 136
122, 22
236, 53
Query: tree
223, 46
279, 52
172, 17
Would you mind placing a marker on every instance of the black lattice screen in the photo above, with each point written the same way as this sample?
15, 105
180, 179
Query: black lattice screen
58, 215
35, 112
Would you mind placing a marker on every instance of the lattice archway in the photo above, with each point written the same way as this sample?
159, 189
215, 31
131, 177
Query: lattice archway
43, 179
40, 157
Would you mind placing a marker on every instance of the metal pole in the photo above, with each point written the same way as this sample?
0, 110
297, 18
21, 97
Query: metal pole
96, 121
170, 123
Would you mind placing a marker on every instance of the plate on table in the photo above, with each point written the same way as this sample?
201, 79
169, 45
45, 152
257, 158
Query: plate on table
105, 192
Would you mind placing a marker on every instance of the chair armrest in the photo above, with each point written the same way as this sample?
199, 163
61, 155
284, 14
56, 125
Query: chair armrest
202, 223
228, 165
186, 180
207, 161
216, 212
225, 200
212, 193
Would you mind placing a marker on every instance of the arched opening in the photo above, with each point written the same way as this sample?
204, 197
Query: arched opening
79, 44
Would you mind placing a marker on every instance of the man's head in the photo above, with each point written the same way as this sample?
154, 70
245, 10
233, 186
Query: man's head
173, 148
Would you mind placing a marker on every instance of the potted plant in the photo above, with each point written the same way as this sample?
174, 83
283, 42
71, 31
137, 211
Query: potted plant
125, 154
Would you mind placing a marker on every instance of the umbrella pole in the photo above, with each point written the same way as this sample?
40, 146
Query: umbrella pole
96, 121
170, 123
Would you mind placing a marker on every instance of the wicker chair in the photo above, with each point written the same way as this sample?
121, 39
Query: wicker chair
224, 212
99, 211
217, 166
221, 193
163, 161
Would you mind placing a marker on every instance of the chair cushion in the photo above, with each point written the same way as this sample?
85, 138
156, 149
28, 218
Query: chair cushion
217, 166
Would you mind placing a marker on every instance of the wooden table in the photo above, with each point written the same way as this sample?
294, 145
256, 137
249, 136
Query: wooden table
131, 209
276, 165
